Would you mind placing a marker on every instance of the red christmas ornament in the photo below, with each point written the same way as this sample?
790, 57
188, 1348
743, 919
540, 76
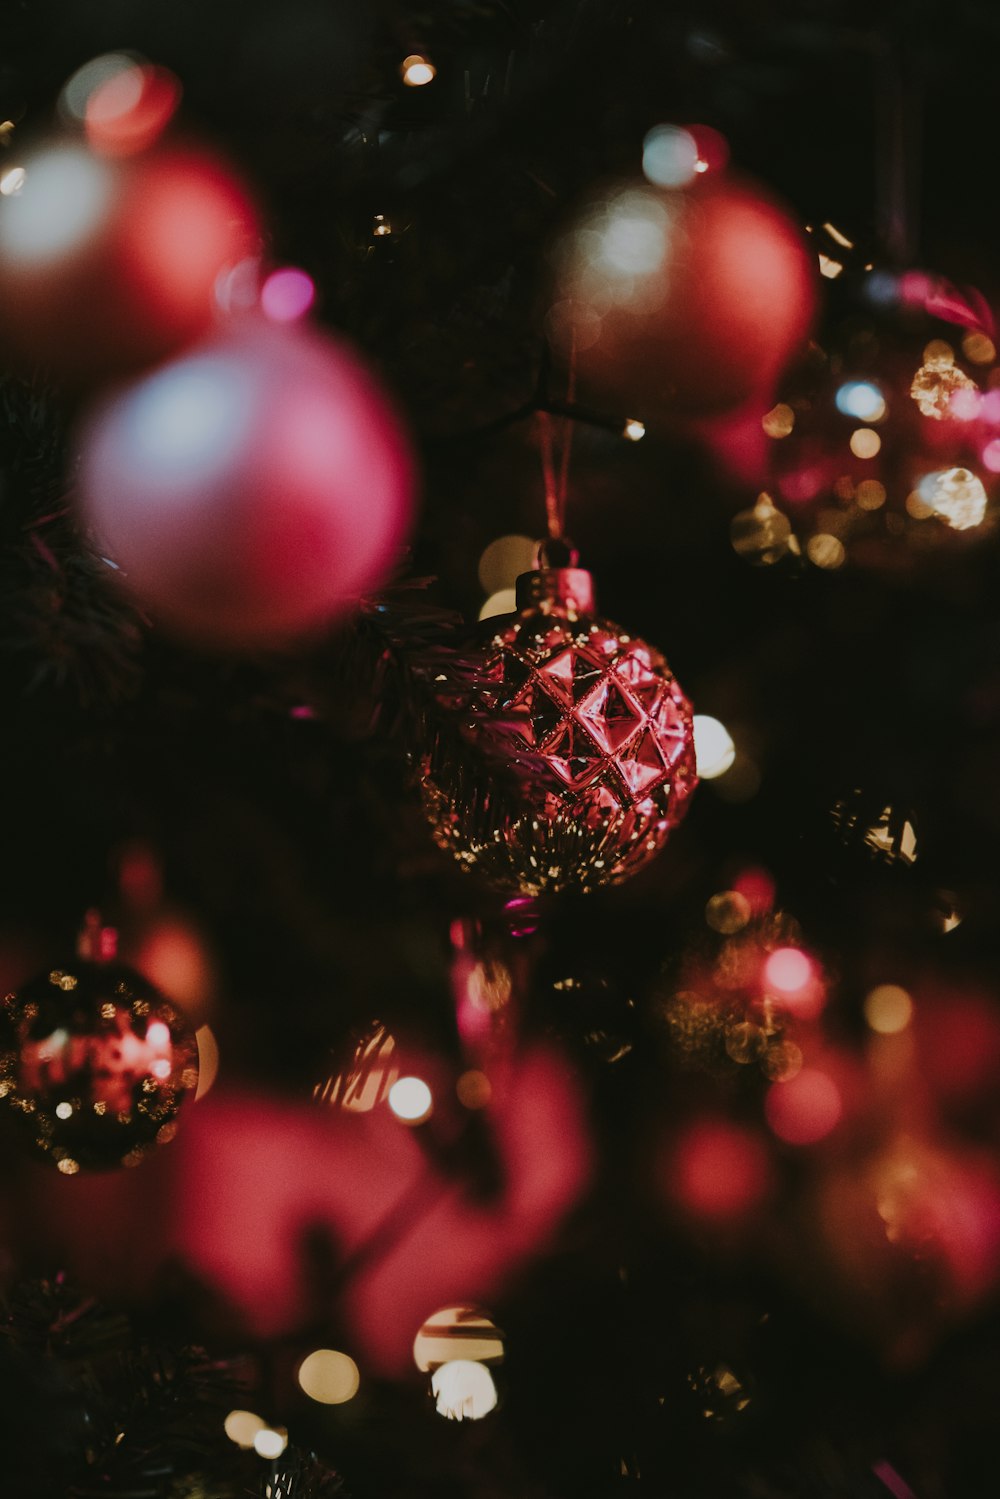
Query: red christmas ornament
598, 735
684, 302
252, 489
107, 266
95, 1063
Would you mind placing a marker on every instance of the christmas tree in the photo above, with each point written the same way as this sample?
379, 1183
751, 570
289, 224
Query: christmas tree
446, 1052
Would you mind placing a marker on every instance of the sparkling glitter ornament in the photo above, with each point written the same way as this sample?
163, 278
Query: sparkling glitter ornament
95, 1063
598, 737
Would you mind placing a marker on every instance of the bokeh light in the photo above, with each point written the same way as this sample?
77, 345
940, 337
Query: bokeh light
474, 1090
788, 970
457, 1333
329, 1377
504, 560
504, 601
861, 399
242, 1427
721, 1170
270, 1442
978, 347
728, 912
463, 1391
287, 294
956, 495
128, 111
669, 157
865, 443
888, 1009
803, 1109
367, 1079
779, 421
12, 181
410, 1099
825, 551
634, 430
714, 747
208, 1059
416, 70
79, 88
63, 200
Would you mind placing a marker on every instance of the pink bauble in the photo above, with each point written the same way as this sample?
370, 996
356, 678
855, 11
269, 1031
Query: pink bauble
681, 303
251, 490
107, 266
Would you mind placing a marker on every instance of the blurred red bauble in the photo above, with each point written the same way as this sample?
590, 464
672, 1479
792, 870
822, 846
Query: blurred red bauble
911, 1235
95, 1064
250, 490
681, 302
107, 266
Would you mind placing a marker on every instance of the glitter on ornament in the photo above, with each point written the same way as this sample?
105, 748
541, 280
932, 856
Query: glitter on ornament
597, 739
938, 381
956, 495
97, 1065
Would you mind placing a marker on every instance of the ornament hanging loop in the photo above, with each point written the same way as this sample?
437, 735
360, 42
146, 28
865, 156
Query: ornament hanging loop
95, 942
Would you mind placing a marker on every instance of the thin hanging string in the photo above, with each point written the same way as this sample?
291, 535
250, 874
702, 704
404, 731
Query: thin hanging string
553, 509
898, 81
557, 482
568, 425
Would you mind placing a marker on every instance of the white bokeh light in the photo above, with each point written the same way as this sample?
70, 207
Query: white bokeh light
463, 1390
670, 157
64, 197
410, 1099
634, 239
713, 746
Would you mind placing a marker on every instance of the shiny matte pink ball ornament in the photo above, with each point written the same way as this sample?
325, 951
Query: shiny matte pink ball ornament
596, 733
681, 303
250, 491
107, 266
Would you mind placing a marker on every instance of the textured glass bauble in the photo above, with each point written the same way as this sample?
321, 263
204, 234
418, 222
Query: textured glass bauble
596, 733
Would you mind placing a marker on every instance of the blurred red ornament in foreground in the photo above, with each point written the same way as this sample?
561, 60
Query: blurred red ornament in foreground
252, 489
681, 303
107, 266
803, 1109
260, 1193
913, 1235
719, 1171
95, 1064
129, 111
